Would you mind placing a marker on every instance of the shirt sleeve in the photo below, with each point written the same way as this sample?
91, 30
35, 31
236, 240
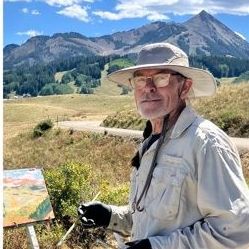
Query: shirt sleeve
121, 220
222, 199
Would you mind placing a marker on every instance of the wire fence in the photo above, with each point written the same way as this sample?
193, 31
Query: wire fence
56, 119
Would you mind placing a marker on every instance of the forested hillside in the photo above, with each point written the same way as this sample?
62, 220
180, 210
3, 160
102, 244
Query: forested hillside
40, 79
85, 73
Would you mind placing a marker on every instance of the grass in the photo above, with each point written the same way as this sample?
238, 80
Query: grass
228, 109
22, 114
107, 87
122, 63
59, 146
109, 157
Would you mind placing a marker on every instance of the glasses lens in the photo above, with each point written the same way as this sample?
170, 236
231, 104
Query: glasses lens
139, 81
161, 79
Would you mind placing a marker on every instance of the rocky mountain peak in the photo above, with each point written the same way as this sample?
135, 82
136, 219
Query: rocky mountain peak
200, 35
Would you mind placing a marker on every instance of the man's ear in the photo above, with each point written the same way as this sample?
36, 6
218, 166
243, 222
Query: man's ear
186, 88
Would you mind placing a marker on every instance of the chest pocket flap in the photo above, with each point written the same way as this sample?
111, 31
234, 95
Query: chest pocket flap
164, 194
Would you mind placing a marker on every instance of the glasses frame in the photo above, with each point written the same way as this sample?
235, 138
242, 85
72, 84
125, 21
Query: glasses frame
133, 84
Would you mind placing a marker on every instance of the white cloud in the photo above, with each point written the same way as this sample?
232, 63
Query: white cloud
156, 16
25, 10
60, 3
158, 10
75, 11
32, 12
35, 12
240, 35
131, 11
30, 33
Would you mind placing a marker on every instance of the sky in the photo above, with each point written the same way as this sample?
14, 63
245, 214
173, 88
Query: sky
23, 19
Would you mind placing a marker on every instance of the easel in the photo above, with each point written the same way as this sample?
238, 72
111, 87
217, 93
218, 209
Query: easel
33, 242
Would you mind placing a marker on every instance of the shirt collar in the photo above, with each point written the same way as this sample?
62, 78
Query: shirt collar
186, 118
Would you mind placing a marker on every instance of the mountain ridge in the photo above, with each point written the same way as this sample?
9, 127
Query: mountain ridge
200, 35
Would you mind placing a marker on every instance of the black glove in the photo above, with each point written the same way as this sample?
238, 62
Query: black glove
139, 244
94, 214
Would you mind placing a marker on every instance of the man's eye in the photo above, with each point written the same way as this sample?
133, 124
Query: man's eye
162, 77
140, 79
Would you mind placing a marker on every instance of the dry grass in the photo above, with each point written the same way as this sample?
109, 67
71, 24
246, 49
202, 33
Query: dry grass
228, 109
108, 156
229, 98
25, 113
59, 146
99, 151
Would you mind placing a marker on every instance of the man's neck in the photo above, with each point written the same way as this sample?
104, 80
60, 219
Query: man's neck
157, 124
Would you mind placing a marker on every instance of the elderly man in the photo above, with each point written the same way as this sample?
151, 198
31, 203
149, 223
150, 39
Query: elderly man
187, 186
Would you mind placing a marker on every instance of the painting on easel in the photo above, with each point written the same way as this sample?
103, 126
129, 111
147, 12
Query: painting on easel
26, 198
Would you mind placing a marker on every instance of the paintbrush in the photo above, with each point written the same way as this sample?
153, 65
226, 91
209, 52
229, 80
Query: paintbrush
59, 244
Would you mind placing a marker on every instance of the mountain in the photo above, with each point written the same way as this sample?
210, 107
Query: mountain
200, 35
214, 37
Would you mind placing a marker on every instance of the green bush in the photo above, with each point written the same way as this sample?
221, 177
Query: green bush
42, 127
127, 119
114, 195
69, 184
86, 90
53, 88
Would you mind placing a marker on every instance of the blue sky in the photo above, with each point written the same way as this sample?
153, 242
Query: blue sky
26, 18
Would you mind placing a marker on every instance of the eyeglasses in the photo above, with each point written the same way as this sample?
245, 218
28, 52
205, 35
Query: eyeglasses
159, 79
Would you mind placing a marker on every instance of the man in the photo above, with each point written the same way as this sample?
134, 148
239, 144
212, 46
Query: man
187, 186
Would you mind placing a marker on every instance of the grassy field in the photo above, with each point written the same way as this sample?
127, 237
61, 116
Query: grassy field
60, 147
64, 154
24, 113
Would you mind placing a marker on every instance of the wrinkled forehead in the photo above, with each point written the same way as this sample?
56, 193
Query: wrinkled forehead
150, 72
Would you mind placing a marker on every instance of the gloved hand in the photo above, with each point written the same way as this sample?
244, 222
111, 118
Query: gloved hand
139, 244
94, 214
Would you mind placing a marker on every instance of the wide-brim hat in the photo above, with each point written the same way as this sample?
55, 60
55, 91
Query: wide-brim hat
168, 56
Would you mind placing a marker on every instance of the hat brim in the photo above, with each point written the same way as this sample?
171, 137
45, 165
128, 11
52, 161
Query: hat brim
204, 84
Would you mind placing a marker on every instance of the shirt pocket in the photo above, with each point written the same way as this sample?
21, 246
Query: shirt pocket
164, 194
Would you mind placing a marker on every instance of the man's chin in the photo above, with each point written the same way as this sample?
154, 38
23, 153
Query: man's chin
149, 114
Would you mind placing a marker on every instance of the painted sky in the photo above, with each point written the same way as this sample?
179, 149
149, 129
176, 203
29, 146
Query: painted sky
21, 177
26, 18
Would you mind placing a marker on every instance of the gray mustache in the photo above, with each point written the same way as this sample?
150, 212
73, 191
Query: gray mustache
150, 98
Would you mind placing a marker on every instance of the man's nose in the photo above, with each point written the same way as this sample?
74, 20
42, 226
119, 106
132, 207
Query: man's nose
150, 85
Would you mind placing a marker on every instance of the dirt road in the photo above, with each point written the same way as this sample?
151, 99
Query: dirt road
94, 126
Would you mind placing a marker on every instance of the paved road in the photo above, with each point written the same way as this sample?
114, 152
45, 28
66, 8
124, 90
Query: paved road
94, 126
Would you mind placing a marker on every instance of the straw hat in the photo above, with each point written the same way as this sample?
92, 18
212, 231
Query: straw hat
168, 56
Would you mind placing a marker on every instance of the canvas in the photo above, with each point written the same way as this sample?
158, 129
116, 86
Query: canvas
26, 199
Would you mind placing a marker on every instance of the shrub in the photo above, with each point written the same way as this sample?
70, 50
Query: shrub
53, 88
114, 195
68, 184
42, 127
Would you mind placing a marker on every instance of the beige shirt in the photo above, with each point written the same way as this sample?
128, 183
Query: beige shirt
198, 197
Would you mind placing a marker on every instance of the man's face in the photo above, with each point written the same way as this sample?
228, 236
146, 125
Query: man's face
155, 102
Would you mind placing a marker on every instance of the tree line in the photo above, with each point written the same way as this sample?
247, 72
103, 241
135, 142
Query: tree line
221, 66
85, 72
40, 79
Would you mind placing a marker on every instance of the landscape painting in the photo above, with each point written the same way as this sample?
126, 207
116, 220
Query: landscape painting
26, 198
